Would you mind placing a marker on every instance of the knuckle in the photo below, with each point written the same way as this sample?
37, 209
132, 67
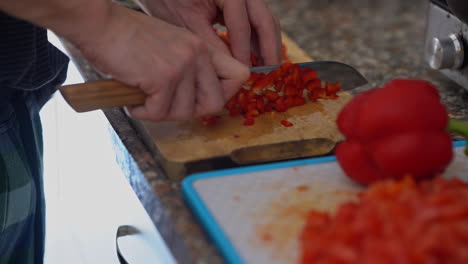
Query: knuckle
198, 48
170, 73
197, 43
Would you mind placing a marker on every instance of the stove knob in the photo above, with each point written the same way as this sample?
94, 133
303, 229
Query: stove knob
445, 53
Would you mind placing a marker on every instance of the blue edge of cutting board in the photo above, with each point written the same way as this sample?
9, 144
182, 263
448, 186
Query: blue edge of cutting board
208, 221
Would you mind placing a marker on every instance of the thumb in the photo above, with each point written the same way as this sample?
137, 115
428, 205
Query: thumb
231, 72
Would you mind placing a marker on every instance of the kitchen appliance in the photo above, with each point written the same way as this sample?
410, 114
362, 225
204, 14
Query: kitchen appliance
447, 39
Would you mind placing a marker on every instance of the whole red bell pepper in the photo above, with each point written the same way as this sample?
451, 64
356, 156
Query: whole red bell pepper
393, 131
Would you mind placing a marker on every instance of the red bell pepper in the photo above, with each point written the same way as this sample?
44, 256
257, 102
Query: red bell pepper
397, 130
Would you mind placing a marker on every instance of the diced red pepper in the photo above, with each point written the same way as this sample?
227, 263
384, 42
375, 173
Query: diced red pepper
231, 103
332, 88
225, 37
263, 82
290, 90
253, 77
252, 113
286, 123
251, 95
314, 84
279, 85
299, 100
290, 101
243, 101
270, 95
285, 67
249, 122
317, 93
280, 105
210, 120
251, 106
309, 76
296, 74
260, 104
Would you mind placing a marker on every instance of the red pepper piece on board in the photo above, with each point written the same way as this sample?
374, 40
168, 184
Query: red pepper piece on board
317, 93
314, 84
271, 96
332, 88
290, 101
242, 100
286, 67
249, 122
290, 90
260, 104
299, 100
253, 77
279, 85
296, 75
286, 123
280, 105
397, 130
210, 120
309, 75
250, 95
252, 113
251, 106
263, 82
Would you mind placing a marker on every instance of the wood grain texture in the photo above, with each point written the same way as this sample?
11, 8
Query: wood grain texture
187, 147
102, 94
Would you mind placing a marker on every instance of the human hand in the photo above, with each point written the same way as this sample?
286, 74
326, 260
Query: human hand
181, 75
251, 25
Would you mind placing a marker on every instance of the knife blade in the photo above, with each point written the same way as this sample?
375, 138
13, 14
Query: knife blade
104, 94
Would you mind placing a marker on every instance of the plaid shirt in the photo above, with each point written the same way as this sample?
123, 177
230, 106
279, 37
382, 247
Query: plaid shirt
30, 68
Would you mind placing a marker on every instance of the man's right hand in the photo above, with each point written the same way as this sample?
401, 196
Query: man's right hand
182, 76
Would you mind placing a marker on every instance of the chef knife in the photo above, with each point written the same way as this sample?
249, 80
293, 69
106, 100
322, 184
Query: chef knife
104, 94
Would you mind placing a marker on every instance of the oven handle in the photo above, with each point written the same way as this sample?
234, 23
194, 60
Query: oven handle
124, 230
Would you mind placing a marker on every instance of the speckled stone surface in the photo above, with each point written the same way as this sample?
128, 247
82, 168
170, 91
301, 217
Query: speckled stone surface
382, 39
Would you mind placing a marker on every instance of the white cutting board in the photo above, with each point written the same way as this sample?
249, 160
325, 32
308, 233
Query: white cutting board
254, 214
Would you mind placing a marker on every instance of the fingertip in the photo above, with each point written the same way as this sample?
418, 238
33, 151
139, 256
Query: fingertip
136, 112
244, 73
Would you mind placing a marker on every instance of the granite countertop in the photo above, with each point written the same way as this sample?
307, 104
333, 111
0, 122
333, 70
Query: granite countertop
382, 39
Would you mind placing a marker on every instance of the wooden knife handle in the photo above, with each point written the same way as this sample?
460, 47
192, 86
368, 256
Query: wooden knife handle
100, 95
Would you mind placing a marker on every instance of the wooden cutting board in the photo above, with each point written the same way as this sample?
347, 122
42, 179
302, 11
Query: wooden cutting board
187, 147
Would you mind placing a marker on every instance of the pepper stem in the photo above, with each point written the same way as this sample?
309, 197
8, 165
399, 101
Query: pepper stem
460, 128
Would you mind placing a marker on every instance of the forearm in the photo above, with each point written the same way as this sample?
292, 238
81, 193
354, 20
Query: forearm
70, 18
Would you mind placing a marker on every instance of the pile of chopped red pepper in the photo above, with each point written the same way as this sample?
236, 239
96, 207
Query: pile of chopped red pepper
393, 222
276, 91
285, 87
